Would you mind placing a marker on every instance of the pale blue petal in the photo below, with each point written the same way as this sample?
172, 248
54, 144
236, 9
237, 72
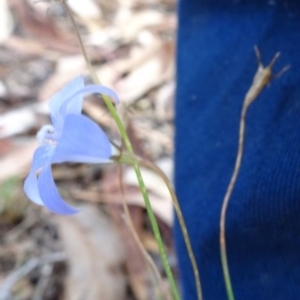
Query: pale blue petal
50, 196
89, 89
82, 140
31, 189
40, 158
74, 106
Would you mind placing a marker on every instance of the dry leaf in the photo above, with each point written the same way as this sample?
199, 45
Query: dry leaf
140, 20
5, 146
25, 46
153, 72
67, 68
161, 207
17, 162
110, 192
17, 121
136, 264
90, 13
43, 28
146, 68
113, 71
95, 255
164, 101
87, 10
152, 181
6, 21
3, 89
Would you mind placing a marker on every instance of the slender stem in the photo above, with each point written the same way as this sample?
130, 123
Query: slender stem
82, 48
129, 148
223, 250
156, 232
185, 234
262, 78
130, 225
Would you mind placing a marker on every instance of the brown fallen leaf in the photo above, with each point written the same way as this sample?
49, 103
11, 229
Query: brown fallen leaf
6, 21
90, 14
153, 72
158, 192
5, 146
112, 72
25, 46
136, 265
138, 21
164, 101
95, 254
89, 10
67, 68
36, 24
162, 208
17, 121
18, 161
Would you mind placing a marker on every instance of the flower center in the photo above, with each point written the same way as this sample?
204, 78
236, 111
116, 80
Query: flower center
46, 135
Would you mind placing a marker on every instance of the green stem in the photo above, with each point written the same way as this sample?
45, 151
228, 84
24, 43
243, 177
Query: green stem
226, 275
139, 243
137, 170
128, 158
156, 232
183, 227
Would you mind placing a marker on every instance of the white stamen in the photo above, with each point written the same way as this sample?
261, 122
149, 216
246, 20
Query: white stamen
46, 135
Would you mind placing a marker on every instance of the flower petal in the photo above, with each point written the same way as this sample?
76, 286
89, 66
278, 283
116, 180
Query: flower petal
40, 158
31, 189
82, 140
89, 89
74, 106
50, 196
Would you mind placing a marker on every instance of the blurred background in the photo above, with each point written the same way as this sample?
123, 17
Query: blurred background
91, 255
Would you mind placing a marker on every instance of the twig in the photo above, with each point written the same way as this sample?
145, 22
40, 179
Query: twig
43, 282
23, 271
262, 78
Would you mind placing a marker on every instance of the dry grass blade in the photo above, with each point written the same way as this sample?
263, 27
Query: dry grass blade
262, 78
142, 249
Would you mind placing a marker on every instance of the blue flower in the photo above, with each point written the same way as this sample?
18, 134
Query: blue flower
73, 137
